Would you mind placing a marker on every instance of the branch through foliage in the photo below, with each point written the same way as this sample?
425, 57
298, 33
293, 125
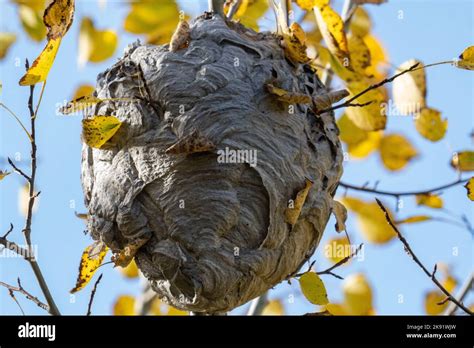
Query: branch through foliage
431, 275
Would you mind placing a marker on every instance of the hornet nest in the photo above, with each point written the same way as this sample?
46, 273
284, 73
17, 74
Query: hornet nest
197, 182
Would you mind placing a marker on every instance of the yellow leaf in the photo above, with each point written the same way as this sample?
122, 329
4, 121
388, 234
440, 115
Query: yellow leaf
83, 91
414, 219
91, 259
58, 18
361, 23
274, 307
336, 309
37, 5
176, 312
378, 57
32, 21
294, 43
337, 249
156, 19
306, 4
157, 306
359, 54
366, 147
396, 151
360, 143
39, 70
79, 104
449, 283
96, 131
124, 305
287, 96
349, 132
181, 36
293, 212
429, 124
432, 299
466, 59
463, 161
3, 174
6, 40
332, 29
340, 212
250, 12
95, 45
357, 295
371, 117
370, 220
409, 89
430, 200
130, 271
313, 288
470, 188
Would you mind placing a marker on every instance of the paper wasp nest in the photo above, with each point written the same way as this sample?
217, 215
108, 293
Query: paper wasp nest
207, 218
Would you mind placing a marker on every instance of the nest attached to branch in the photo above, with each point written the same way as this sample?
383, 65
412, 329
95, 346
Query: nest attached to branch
196, 182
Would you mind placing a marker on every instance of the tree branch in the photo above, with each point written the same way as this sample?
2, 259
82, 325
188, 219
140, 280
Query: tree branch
18, 170
330, 269
408, 249
403, 193
52, 308
94, 289
368, 89
28, 295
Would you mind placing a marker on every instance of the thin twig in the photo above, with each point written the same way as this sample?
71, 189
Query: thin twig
9, 231
404, 193
408, 249
18, 170
333, 267
94, 289
28, 295
12, 295
368, 89
16, 118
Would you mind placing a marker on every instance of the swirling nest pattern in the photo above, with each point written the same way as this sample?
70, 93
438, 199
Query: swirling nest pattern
214, 234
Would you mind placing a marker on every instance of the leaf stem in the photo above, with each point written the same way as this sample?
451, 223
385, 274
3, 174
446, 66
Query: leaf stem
16, 118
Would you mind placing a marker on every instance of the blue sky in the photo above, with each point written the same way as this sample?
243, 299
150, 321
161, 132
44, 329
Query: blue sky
430, 30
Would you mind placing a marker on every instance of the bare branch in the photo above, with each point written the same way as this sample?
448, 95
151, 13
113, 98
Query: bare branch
368, 89
9, 231
12, 295
343, 261
18, 170
94, 289
333, 267
52, 308
398, 194
410, 252
28, 295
